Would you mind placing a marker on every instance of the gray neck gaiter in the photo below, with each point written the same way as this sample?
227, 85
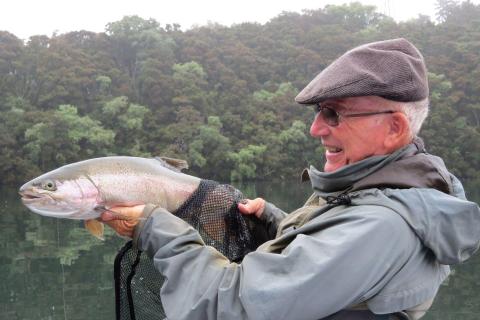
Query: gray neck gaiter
333, 183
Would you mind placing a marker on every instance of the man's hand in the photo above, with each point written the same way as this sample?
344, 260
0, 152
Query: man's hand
256, 206
123, 219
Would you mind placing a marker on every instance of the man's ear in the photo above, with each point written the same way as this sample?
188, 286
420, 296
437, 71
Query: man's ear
399, 133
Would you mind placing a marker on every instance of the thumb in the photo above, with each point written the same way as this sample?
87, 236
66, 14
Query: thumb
245, 206
256, 206
107, 216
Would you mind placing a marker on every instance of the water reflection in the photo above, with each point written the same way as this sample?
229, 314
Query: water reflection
53, 269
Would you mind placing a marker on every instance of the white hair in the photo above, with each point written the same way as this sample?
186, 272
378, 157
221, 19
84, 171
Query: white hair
416, 113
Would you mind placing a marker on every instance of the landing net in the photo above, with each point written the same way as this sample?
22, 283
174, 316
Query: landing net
212, 210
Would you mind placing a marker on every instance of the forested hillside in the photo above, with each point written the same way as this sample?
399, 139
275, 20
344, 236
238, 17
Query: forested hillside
219, 97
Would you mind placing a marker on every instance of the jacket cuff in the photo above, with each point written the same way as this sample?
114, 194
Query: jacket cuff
271, 217
147, 212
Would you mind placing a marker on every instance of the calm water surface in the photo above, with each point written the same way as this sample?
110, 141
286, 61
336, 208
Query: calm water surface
53, 269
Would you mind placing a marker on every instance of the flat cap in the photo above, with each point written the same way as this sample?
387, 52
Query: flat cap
391, 69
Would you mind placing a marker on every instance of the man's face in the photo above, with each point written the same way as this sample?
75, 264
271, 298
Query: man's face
354, 138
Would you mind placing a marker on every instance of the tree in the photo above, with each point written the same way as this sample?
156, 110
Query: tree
126, 120
448, 134
190, 86
135, 43
209, 150
11, 50
66, 137
245, 162
155, 90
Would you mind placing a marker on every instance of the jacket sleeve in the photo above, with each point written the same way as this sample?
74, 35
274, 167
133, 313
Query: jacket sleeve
344, 262
271, 217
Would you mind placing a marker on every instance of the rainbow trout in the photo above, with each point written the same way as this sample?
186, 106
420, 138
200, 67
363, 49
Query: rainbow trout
83, 190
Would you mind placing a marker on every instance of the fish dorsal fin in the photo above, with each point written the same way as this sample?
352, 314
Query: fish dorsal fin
95, 227
173, 164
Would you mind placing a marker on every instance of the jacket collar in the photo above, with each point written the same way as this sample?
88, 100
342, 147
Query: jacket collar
407, 167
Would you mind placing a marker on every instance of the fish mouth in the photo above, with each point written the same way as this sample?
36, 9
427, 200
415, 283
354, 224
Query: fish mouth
29, 196
45, 205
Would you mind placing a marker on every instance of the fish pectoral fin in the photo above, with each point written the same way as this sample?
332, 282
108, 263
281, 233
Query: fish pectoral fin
95, 227
173, 164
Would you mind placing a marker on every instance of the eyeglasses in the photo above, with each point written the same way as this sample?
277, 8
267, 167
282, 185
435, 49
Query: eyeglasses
332, 117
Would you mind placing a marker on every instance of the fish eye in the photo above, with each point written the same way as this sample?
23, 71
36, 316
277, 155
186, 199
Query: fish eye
49, 185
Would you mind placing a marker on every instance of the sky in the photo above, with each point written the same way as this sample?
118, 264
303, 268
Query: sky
25, 18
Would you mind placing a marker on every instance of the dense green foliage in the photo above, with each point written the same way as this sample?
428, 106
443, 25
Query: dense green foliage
219, 97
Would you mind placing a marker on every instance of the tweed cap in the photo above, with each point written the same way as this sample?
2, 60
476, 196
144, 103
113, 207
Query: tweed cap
392, 69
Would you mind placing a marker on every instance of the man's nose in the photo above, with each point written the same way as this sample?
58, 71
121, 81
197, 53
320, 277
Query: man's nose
319, 128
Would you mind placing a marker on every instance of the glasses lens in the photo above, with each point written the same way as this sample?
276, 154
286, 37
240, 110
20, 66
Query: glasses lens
330, 116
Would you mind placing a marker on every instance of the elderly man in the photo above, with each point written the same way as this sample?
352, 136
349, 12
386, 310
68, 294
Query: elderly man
375, 239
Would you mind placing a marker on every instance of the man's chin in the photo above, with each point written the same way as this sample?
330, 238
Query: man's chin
330, 167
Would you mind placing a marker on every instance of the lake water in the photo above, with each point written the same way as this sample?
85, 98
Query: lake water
53, 269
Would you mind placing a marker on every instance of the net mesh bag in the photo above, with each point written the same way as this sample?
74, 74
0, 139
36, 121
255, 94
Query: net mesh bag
212, 210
